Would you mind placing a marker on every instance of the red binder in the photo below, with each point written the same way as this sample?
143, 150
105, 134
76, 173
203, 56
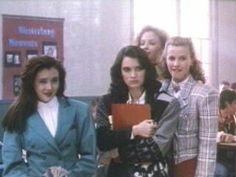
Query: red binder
126, 115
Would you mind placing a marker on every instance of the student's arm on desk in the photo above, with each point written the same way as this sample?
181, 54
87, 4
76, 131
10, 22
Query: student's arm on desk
223, 137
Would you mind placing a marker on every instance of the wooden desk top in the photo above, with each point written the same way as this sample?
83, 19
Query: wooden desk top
227, 146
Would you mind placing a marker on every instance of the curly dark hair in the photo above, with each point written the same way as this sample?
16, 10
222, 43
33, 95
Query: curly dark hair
195, 70
26, 102
227, 96
118, 86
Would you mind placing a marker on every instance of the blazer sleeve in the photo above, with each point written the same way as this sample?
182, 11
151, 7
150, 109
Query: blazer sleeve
156, 147
208, 127
14, 164
107, 138
86, 165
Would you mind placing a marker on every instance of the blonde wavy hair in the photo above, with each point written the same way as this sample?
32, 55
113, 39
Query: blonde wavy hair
196, 69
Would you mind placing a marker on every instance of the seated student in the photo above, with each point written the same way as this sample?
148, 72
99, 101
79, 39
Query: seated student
224, 85
233, 86
227, 111
225, 158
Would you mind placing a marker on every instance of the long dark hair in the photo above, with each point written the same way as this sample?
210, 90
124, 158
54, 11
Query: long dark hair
118, 86
26, 103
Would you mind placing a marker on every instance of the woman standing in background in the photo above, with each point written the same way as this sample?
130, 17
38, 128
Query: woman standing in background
153, 40
195, 142
56, 132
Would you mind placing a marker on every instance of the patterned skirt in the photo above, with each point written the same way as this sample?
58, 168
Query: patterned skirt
156, 169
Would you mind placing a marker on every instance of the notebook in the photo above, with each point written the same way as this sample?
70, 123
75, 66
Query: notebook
124, 116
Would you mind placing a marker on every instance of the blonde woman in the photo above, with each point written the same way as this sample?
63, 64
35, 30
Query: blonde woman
152, 40
195, 140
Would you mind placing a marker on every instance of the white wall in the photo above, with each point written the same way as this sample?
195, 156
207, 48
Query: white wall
94, 31
226, 39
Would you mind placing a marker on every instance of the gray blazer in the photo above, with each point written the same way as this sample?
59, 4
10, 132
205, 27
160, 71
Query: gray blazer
73, 148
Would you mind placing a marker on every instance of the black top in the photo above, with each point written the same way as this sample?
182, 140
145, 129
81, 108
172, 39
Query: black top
138, 150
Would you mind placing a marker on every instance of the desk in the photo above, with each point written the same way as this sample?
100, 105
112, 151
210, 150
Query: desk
228, 146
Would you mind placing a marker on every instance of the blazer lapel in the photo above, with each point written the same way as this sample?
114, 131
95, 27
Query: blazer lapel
187, 88
38, 125
184, 91
65, 120
165, 86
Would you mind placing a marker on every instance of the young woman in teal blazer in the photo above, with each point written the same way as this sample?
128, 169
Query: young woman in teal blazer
55, 132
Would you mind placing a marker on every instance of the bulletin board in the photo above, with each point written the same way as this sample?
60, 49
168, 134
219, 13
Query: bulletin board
23, 38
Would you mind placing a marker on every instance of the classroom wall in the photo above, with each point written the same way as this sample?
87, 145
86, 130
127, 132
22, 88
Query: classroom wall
225, 40
94, 31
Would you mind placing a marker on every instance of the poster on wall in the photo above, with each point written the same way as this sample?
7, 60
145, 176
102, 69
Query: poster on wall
31, 53
50, 49
12, 59
25, 37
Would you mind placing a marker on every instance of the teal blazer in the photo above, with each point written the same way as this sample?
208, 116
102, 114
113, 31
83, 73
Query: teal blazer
73, 147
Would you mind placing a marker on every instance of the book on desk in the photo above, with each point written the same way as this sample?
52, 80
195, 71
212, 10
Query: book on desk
126, 115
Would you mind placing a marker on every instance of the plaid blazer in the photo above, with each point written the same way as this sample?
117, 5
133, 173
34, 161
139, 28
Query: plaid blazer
197, 126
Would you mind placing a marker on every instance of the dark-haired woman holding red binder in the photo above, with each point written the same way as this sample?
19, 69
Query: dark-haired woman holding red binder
141, 149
